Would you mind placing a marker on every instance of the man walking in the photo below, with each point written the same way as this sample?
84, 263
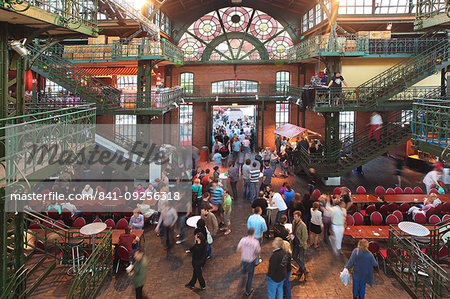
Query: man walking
277, 270
267, 176
254, 181
166, 224
257, 222
245, 176
300, 243
375, 125
233, 176
249, 248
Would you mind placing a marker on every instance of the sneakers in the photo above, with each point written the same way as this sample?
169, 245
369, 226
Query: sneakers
178, 236
189, 286
223, 229
227, 232
179, 242
248, 294
204, 288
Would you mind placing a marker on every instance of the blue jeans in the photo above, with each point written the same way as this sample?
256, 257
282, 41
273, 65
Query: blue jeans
246, 189
274, 289
298, 254
249, 268
274, 167
287, 286
359, 288
254, 190
208, 250
181, 222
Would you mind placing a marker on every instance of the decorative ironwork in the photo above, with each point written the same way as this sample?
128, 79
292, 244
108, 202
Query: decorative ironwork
235, 33
11, 4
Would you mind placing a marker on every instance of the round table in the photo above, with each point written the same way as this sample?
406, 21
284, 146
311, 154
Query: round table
223, 179
92, 229
413, 229
269, 214
192, 221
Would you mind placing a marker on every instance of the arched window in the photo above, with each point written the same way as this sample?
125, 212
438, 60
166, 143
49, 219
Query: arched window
281, 113
187, 82
218, 36
283, 78
234, 87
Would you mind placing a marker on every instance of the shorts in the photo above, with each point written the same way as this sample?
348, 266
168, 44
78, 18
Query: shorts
226, 219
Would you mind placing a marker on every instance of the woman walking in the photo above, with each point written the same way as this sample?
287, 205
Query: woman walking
316, 224
362, 261
198, 252
286, 283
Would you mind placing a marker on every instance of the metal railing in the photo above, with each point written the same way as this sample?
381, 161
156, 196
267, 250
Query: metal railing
76, 12
431, 121
50, 64
49, 128
48, 101
393, 132
357, 97
154, 100
324, 44
415, 270
401, 45
95, 269
119, 50
245, 91
429, 8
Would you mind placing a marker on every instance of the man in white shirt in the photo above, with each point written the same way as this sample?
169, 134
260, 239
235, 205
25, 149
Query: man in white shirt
278, 201
432, 179
338, 215
375, 125
87, 191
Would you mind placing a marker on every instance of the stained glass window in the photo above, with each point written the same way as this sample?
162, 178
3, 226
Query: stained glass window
234, 86
219, 35
187, 82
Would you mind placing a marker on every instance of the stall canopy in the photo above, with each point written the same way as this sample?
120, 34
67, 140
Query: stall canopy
290, 131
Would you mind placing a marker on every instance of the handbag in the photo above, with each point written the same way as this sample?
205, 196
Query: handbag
352, 269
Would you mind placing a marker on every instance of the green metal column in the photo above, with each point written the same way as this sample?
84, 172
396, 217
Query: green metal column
4, 70
20, 86
144, 83
331, 132
263, 108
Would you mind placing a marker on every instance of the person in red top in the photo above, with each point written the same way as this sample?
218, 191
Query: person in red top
129, 240
205, 179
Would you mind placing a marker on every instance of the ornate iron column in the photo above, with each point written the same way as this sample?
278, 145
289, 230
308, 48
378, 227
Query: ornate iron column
331, 132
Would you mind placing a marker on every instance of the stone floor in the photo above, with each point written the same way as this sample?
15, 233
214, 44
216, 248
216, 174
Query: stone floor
166, 276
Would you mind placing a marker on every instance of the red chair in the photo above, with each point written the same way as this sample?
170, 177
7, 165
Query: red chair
391, 220
34, 225
392, 207
66, 216
434, 219
59, 224
353, 209
418, 190
434, 191
79, 222
398, 190
420, 218
408, 190
376, 218
316, 194
124, 255
430, 212
369, 210
360, 190
446, 217
390, 191
97, 220
53, 213
399, 215
374, 248
110, 223
380, 190
337, 191
359, 219
350, 221
127, 213
446, 208
384, 210
404, 207
122, 224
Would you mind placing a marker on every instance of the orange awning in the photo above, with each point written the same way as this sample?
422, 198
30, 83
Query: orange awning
109, 71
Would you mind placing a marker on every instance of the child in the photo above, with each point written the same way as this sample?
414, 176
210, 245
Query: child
316, 224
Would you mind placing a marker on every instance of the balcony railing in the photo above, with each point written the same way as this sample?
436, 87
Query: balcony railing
431, 121
155, 100
244, 91
46, 102
76, 12
429, 8
400, 45
358, 97
119, 50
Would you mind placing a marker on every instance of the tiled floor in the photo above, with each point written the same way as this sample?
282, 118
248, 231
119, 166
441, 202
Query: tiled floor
166, 276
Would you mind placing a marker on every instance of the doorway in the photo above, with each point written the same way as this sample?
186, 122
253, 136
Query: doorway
234, 120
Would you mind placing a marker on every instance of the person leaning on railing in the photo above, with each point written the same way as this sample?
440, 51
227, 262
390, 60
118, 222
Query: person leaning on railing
336, 87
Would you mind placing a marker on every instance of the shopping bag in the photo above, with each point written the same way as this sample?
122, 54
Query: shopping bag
345, 277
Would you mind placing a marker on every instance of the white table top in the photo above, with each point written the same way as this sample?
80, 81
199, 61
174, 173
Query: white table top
93, 228
222, 176
192, 221
414, 229
272, 208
